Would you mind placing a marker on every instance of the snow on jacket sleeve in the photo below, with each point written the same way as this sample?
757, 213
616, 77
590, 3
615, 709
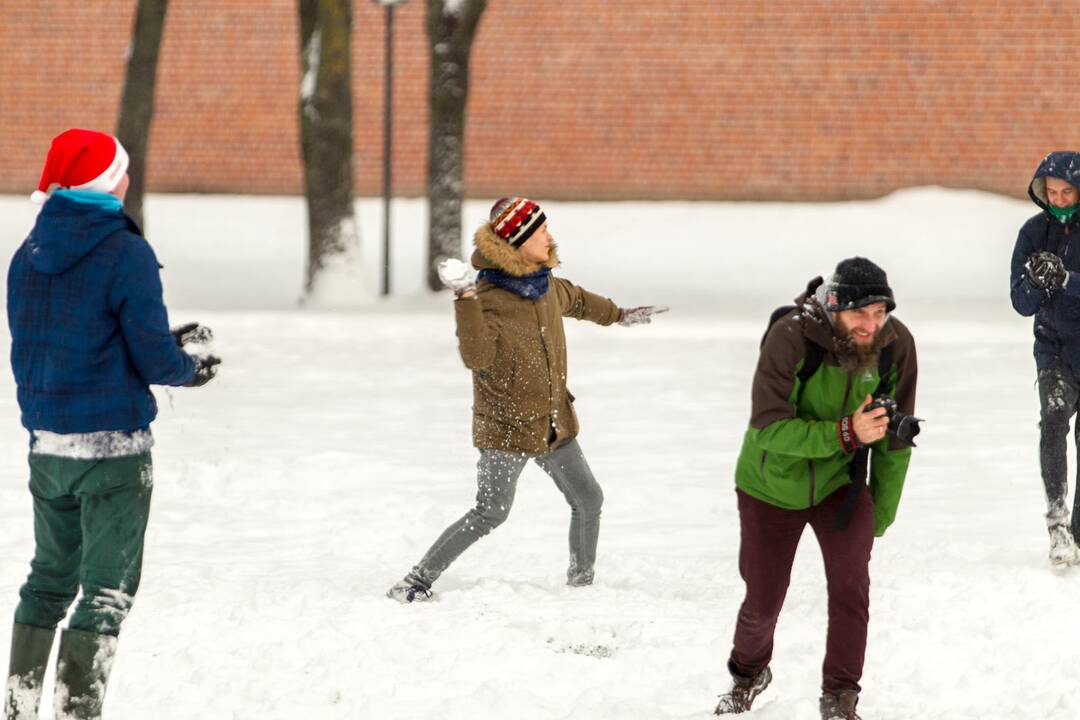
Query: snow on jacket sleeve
1026, 298
889, 458
136, 298
477, 331
773, 414
580, 304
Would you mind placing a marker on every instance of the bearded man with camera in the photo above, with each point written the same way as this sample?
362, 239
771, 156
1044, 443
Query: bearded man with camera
832, 407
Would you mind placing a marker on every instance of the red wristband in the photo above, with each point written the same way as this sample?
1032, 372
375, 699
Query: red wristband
849, 441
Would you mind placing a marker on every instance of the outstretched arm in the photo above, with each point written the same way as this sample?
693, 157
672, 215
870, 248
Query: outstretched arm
580, 304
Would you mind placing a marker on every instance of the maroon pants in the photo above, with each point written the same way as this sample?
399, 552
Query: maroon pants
769, 537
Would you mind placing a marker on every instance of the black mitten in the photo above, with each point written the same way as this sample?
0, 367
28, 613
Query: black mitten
1055, 271
192, 333
205, 369
1046, 270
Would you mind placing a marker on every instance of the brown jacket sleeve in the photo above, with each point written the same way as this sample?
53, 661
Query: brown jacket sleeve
477, 331
580, 304
774, 378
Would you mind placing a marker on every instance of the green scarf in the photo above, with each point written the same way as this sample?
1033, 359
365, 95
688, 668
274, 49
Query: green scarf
1063, 214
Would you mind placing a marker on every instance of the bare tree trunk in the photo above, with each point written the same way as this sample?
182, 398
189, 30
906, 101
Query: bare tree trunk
137, 105
326, 141
451, 26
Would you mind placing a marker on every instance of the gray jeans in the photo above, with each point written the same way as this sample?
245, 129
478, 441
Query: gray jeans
1059, 395
496, 478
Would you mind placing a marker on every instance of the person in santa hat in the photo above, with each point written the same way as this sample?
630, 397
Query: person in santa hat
89, 335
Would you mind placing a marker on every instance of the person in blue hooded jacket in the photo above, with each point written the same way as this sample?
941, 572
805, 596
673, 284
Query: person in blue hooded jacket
1046, 283
89, 335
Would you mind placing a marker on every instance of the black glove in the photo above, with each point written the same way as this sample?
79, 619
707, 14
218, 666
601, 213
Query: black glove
205, 369
1046, 270
1036, 271
192, 333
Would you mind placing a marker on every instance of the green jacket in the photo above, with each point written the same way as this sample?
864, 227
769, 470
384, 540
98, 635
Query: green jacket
516, 349
791, 455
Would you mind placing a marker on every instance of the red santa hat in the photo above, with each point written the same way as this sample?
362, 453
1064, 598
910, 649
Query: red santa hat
82, 160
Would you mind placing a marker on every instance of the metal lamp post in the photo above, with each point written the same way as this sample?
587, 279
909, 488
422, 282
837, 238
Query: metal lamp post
388, 115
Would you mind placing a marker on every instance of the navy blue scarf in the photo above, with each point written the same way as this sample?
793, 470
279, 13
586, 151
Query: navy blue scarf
530, 287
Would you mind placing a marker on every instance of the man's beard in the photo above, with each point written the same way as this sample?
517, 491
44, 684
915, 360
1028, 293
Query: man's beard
853, 355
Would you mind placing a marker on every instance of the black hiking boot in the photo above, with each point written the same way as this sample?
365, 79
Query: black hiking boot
839, 707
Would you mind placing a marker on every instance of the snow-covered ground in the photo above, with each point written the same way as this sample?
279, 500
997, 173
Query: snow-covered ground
334, 447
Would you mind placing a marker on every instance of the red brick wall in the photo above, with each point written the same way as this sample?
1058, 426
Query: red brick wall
588, 99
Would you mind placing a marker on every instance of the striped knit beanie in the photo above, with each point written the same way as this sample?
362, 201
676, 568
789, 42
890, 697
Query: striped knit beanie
515, 219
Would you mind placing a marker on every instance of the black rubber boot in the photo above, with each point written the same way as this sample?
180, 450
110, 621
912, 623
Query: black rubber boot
30, 647
82, 672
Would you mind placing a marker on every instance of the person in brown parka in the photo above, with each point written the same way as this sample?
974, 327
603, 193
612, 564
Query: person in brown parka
510, 334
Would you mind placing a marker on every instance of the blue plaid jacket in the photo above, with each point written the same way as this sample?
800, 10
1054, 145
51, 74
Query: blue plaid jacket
89, 330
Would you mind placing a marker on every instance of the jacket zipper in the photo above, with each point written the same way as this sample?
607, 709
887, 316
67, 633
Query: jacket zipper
847, 394
552, 410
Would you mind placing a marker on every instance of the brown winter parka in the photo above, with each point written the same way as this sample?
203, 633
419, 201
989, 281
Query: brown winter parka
516, 349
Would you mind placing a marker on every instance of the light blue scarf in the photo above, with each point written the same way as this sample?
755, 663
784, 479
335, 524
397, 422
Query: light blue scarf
105, 201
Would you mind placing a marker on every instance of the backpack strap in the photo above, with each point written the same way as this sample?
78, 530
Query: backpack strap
885, 369
815, 354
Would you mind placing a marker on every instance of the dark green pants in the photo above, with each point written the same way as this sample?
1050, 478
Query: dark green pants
89, 522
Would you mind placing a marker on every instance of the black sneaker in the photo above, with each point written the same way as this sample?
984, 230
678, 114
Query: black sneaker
579, 578
1063, 550
742, 693
409, 591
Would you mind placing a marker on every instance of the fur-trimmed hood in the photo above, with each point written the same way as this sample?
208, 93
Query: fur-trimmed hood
494, 253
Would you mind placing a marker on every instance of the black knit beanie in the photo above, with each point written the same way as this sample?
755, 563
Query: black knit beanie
857, 282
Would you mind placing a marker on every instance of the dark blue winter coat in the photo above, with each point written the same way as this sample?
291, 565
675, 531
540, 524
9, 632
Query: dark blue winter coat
89, 331
1057, 312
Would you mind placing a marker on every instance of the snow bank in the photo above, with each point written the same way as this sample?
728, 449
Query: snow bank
237, 252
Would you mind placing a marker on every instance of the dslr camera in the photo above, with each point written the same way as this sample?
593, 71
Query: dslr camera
902, 427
